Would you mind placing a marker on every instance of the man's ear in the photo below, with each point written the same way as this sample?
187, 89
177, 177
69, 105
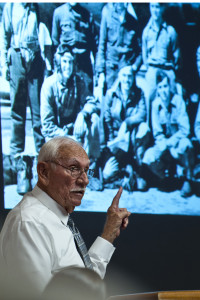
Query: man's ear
43, 172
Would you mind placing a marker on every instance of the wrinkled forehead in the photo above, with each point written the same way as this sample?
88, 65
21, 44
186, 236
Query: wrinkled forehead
73, 152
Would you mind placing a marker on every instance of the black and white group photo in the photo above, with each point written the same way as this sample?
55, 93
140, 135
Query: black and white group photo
123, 79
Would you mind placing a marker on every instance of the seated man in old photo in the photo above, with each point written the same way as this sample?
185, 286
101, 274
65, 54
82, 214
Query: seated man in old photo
67, 107
126, 130
171, 129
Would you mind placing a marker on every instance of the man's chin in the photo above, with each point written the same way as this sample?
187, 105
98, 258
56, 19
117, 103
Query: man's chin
76, 202
76, 199
66, 76
70, 209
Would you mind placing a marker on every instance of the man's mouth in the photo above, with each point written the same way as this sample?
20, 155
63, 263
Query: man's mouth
78, 191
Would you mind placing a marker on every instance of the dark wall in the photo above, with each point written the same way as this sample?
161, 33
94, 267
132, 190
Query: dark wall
156, 252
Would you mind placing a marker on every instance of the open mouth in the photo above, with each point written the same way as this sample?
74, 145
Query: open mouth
78, 192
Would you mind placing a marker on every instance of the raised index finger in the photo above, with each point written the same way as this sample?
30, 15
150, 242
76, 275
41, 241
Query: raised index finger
115, 202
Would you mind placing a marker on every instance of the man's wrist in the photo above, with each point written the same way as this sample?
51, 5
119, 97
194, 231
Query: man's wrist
108, 237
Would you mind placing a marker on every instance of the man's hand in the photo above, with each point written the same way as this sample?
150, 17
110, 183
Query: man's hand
121, 141
79, 126
162, 144
117, 218
122, 130
111, 167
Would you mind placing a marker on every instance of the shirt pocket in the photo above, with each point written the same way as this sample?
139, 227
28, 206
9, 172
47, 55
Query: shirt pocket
150, 44
163, 44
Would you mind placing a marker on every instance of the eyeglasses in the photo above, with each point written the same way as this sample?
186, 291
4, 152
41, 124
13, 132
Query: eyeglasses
75, 172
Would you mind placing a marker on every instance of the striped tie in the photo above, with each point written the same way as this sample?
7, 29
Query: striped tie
80, 244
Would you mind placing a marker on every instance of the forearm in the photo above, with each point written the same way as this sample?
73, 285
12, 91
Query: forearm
50, 129
55, 30
139, 116
91, 106
197, 130
175, 138
134, 121
49, 122
138, 61
101, 54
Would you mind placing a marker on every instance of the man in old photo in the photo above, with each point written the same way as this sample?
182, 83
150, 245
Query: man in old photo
171, 129
67, 106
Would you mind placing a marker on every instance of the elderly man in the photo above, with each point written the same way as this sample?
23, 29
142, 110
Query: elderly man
126, 132
36, 240
66, 109
171, 128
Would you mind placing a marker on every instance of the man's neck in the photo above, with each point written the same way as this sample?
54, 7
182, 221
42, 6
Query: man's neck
125, 94
63, 80
166, 104
69, 209
42, 187
157, 23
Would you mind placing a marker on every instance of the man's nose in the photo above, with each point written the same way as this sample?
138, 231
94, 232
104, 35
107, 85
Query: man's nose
83, 178
127, 78
67, 64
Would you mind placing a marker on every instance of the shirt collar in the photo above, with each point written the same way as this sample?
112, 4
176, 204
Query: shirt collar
151, 24
117, 93
173, 100
171, 105
70, 82
116, 15
51, 204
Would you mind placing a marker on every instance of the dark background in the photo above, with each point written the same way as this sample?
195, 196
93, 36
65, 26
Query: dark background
156, 252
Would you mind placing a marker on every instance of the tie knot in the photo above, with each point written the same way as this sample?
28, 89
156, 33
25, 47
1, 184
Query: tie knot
71, 225
70, 222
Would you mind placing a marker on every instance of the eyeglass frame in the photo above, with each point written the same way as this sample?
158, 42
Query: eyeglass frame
81, 170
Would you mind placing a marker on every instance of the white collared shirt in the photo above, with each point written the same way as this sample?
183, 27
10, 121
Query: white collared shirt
36, 243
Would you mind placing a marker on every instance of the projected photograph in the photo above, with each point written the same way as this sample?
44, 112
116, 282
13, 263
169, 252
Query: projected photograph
123, 79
